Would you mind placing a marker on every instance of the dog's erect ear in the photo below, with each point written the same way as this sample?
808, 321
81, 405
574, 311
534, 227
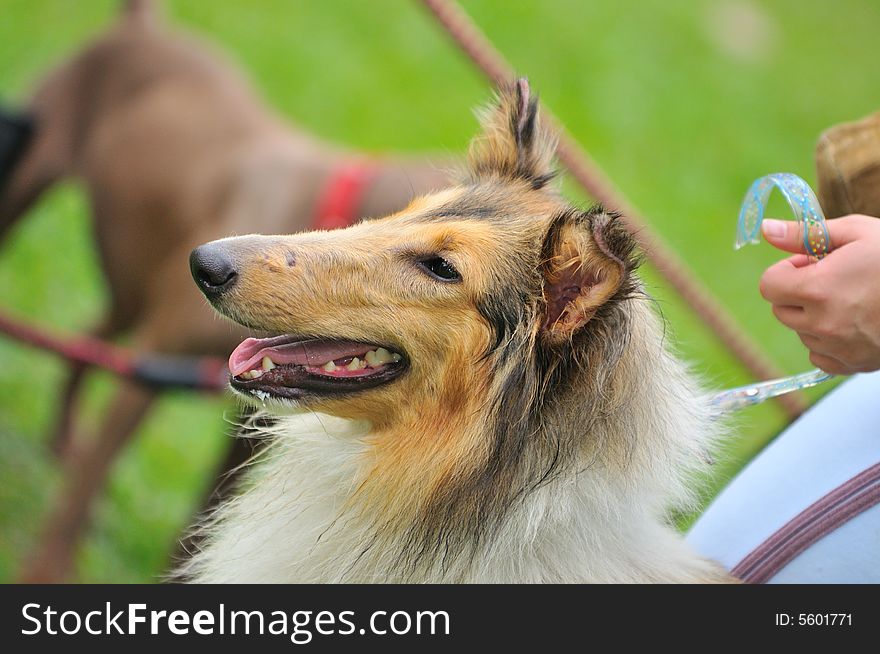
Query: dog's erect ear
587, 259
515, 144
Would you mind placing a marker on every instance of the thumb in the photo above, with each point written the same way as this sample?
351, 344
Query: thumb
788, 235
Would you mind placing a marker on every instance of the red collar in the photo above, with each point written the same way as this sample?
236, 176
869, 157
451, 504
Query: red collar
340, 201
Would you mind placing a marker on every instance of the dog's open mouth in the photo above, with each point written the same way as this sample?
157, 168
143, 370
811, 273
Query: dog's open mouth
290, 367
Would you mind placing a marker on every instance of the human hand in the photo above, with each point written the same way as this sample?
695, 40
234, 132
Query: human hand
832, 304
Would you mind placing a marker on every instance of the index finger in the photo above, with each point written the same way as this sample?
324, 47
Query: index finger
800, 260
784, 282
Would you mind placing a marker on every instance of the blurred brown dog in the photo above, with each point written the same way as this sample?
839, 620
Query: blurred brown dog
174, 150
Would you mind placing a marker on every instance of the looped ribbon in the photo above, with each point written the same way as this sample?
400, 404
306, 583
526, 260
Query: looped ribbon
817, 243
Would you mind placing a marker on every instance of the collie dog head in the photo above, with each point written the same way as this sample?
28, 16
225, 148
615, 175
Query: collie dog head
492, 336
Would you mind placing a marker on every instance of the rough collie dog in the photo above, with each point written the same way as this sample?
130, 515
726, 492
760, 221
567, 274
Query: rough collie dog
479, 387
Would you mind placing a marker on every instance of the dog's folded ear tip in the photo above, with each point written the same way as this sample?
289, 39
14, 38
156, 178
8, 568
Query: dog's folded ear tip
613, 237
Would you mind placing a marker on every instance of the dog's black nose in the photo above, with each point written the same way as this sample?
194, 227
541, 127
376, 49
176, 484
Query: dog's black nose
213, 268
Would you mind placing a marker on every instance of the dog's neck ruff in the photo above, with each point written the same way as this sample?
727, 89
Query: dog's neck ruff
297, 524
342, 196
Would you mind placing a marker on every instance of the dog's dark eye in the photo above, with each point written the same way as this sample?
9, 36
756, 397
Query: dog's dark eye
439, 268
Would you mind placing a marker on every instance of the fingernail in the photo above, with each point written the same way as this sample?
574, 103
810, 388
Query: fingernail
773, 228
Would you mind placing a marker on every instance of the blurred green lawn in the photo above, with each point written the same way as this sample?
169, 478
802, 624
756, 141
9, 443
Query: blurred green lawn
683, 104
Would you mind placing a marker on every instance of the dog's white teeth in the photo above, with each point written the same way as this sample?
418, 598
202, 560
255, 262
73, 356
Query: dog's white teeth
356, 364
380, 356
384, 356
371, 359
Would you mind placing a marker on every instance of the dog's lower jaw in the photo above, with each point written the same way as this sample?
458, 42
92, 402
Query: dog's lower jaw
278, 406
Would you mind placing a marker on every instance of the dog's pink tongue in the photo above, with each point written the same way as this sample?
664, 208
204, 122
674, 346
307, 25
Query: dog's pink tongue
283, 350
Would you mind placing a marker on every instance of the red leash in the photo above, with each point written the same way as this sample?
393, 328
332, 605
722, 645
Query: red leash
338, 206
80, 350
202, 373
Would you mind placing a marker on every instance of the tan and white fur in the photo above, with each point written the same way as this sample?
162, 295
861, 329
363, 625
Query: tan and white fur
535, 428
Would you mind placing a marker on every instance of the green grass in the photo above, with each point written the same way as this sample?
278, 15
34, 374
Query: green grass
681, 123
